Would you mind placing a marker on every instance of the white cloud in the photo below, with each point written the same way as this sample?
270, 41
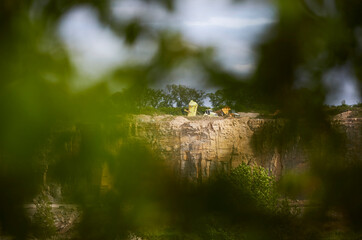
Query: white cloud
94, 48
129, 9
228, 22
244, 68
342, 85
230, 28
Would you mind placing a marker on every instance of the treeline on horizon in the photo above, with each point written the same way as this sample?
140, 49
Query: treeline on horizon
173, 99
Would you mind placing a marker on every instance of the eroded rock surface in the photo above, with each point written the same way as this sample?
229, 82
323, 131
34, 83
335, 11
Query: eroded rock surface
201, 146
350, 124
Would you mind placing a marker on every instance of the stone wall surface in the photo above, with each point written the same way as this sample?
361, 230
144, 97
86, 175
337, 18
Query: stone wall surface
200, 146
196, 148
350, 124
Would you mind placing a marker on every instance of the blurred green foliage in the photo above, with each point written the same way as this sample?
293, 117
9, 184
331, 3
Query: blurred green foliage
38, 104
237, 206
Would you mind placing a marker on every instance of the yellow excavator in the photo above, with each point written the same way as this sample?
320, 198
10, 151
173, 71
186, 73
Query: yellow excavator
225, 111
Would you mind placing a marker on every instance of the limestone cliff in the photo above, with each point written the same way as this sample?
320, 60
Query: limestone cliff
198, 147
350, 124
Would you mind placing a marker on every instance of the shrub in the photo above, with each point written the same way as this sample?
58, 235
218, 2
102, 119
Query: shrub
150, 111
256, 183
43, 219
172, 110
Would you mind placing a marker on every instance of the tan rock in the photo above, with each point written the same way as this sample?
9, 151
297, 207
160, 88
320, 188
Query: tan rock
199, 147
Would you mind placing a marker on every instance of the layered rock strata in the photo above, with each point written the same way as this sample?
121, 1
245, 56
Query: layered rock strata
198, 147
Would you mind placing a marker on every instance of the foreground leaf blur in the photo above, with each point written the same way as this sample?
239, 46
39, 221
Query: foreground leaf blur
52, 132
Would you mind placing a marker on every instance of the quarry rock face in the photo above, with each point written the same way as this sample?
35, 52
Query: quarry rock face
199, 147
350, 125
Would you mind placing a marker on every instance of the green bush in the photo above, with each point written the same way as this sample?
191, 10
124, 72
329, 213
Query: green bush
150, 111
177, 111
256, 183
201, 110
43, 219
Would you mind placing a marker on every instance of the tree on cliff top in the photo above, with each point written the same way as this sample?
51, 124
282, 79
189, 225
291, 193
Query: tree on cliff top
178, 95
181, 95
147, 97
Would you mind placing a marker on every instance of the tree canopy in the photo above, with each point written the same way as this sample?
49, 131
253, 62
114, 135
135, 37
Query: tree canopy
181, 95
173, 96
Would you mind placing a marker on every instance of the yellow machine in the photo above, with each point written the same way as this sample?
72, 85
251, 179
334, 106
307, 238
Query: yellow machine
192, 109
226, 110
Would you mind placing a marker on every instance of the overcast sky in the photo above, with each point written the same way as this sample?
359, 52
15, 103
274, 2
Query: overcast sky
232, 29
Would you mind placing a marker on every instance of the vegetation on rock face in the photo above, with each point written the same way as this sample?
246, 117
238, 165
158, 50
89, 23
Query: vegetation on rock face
257, 184
43, 219
229, 206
